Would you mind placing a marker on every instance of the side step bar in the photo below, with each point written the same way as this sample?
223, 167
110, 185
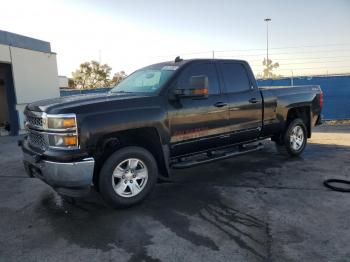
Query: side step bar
241, 151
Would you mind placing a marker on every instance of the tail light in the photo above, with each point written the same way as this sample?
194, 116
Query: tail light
321, 99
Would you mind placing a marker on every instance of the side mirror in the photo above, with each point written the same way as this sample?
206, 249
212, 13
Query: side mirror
198, 88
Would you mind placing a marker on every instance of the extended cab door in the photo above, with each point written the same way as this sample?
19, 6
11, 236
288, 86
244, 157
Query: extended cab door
198, 124
244, 99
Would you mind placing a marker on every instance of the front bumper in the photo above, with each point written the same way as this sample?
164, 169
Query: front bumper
68, 178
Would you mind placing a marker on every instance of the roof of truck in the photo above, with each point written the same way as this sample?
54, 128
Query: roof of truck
186, 61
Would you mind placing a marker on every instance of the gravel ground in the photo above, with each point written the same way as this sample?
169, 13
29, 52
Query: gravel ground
258, 207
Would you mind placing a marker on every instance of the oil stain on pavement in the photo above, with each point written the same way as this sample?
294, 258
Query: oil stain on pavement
92, 225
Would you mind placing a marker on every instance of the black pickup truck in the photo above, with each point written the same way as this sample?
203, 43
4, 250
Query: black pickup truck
169, 115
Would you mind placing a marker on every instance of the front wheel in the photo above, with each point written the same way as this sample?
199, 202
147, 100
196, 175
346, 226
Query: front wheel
128, 176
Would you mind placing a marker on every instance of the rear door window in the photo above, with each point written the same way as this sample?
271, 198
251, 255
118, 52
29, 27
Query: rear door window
235, 77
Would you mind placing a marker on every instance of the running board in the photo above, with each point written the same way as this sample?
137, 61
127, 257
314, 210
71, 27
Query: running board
241, 151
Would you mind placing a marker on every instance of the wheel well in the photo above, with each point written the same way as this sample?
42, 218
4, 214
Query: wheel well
147, 138
304, 114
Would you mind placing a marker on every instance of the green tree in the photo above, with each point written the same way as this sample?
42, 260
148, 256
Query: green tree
71, 83
117, 78
92, 75
269, 67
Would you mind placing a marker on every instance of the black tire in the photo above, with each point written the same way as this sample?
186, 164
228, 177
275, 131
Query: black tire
105, 178
328, 183
287, 137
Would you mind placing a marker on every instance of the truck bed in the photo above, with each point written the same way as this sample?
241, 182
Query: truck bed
278, 100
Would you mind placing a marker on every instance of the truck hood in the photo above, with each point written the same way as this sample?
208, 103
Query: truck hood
56, 105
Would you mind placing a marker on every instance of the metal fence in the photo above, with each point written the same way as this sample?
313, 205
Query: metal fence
336, 91
83, 91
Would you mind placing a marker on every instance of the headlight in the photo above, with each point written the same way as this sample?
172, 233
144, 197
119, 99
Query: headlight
63, 131
61, 122
64, 141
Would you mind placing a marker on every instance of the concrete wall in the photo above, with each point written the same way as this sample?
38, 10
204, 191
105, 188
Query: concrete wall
34, 73
63, 81
35, 77
5, 54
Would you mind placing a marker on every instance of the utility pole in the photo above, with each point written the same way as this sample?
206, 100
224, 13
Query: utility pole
267, 20
213, 53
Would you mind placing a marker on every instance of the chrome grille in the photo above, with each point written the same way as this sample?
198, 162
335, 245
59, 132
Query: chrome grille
37, 140
35, 121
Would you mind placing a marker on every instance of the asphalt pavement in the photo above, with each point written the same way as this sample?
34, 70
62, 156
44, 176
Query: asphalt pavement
263, 206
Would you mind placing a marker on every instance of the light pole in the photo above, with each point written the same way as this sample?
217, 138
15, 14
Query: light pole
267, 20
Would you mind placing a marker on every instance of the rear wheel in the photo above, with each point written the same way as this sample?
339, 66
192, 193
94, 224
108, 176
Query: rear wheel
128, 176
294, 139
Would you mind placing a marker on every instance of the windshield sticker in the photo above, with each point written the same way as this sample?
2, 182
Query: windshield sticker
172, 68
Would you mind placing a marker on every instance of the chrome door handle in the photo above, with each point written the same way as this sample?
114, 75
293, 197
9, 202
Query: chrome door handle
253, 100
220, 104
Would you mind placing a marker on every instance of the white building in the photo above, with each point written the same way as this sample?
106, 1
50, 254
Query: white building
28, 72
63, 82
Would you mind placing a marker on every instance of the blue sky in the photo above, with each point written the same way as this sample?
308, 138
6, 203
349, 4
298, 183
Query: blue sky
131, 34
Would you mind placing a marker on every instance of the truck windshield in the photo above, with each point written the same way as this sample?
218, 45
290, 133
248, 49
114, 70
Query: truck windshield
145, 81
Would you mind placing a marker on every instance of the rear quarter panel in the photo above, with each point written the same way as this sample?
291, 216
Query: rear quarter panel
279, 100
